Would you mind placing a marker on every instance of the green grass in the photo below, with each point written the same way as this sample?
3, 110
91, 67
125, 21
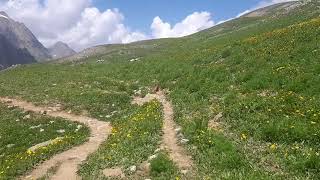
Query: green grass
133, 140
162, 167
18, 135
261, 73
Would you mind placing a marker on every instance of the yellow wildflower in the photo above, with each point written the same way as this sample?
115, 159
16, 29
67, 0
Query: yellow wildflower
129, 136
273, 147
243, 136
29, 152
280, 68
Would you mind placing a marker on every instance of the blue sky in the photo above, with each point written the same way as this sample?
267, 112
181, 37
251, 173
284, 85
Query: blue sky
140, 13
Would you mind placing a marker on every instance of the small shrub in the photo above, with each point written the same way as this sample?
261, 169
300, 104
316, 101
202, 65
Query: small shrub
226, 53
122, 88
162, 165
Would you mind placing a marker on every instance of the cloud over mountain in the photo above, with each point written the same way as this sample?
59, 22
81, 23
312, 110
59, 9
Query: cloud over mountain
82, 25
77, 23
95, 27
191, 24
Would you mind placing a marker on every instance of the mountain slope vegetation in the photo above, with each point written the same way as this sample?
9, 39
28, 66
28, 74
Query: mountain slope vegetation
254, 80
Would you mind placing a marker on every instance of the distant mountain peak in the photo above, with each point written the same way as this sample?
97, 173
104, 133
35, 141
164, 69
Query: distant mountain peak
60, 50
4, 15
18, 45
60, 43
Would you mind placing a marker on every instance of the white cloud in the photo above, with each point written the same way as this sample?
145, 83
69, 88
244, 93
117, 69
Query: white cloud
97, 27
191, 24
82, 25
77, 23
45, 19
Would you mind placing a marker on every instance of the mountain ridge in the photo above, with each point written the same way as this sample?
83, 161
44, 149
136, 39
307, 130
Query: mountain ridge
20, 40
60, 50
21, 37
20, 46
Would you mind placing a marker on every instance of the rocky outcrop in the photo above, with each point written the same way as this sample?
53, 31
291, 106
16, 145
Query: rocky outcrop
10, 55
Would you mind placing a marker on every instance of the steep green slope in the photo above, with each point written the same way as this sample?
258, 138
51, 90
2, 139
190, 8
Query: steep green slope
261, 73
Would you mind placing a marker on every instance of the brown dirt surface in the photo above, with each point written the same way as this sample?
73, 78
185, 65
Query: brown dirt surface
169, 140
68, 160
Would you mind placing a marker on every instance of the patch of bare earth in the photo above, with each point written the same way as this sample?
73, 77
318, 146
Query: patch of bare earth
169, 139
215, 122
114, 172
69, 160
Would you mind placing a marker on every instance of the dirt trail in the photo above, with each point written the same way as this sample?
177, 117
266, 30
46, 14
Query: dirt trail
69, 160
169, 139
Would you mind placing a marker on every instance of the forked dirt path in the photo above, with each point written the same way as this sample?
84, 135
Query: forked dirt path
169, 139
69, 160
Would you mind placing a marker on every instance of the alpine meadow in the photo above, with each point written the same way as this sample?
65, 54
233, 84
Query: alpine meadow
240, 100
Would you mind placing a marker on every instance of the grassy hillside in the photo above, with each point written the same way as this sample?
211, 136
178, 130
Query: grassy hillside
261, 73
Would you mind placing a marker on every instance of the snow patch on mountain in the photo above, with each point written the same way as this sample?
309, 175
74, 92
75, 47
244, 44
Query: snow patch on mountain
2, 16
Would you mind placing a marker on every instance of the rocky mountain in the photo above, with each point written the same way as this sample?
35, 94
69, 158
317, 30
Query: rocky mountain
10, 55
60, 50
18, 44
